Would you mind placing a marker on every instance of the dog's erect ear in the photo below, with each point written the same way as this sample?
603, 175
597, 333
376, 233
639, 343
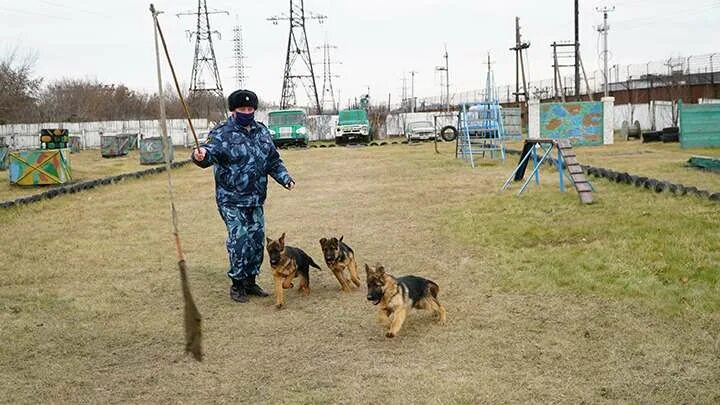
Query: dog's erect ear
282, 241
368, 269
341, 236
323, 241
379, 268
267, 241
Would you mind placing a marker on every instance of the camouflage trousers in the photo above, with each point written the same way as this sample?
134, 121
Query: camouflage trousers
246, 236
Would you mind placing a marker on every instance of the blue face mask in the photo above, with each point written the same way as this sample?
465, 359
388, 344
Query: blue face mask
244, 119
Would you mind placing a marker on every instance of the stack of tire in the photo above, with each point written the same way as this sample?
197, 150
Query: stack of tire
651, 136
670, 134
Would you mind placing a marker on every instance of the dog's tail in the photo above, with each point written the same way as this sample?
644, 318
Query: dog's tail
433, 288
311, 262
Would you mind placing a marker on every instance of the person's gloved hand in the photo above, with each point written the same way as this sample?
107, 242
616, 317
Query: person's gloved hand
199, 154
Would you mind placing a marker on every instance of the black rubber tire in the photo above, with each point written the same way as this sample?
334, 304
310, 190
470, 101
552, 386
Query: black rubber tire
448, 133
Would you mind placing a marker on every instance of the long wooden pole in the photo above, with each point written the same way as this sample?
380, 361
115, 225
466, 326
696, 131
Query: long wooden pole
193, 320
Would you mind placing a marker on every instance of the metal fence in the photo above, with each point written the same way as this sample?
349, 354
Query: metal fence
699, 69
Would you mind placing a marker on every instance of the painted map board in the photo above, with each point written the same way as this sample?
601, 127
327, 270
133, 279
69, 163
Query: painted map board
580, 122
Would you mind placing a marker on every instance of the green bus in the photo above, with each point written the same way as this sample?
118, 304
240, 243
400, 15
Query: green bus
288, 127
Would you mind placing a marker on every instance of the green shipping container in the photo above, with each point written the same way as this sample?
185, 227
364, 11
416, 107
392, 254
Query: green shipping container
114, 146
699, 125
151, 151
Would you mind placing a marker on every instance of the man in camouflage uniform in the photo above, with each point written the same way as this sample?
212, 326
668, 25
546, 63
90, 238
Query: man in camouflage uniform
243, 154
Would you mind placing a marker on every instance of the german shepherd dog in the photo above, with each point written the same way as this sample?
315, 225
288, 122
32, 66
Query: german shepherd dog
338, 257
397, 296
288, 262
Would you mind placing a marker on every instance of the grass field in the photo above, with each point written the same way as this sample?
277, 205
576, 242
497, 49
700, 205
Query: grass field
548, 300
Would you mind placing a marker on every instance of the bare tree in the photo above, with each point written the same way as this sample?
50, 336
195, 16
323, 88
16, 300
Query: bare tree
19, 87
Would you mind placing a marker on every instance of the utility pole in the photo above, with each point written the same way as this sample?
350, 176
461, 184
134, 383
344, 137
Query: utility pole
204, 61
412, 90
490, 93
446, 69
577, 50
298, 46
403, 94
604, 30
519, 63
557, 76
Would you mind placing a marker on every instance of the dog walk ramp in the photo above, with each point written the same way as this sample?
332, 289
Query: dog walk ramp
577, 175
566, 164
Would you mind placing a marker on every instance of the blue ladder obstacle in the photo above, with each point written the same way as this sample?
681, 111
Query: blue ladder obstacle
481, 132
463, 147
481, 126
566, 159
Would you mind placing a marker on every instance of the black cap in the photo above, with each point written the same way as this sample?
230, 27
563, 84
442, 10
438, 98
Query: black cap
242, 98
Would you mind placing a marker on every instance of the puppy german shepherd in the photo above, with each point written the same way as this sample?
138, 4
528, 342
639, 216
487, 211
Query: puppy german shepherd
288, 262
397, 296
338, 257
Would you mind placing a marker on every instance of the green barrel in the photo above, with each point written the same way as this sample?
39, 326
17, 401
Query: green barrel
151, 151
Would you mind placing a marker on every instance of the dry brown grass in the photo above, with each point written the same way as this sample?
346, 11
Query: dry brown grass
91, 309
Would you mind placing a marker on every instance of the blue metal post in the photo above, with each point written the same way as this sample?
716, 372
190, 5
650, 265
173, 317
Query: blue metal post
535, 170
560, 165
535, 164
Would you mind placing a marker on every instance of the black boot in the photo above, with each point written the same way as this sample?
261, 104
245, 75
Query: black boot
252, 288
237, 291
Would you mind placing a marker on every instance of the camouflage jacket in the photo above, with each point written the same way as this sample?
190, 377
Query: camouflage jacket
242, 160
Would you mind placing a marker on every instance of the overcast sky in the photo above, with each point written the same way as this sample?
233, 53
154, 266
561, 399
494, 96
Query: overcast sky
378, 40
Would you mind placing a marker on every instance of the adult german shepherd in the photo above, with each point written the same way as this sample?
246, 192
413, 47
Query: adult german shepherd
288, 262
396, 296
340, 257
